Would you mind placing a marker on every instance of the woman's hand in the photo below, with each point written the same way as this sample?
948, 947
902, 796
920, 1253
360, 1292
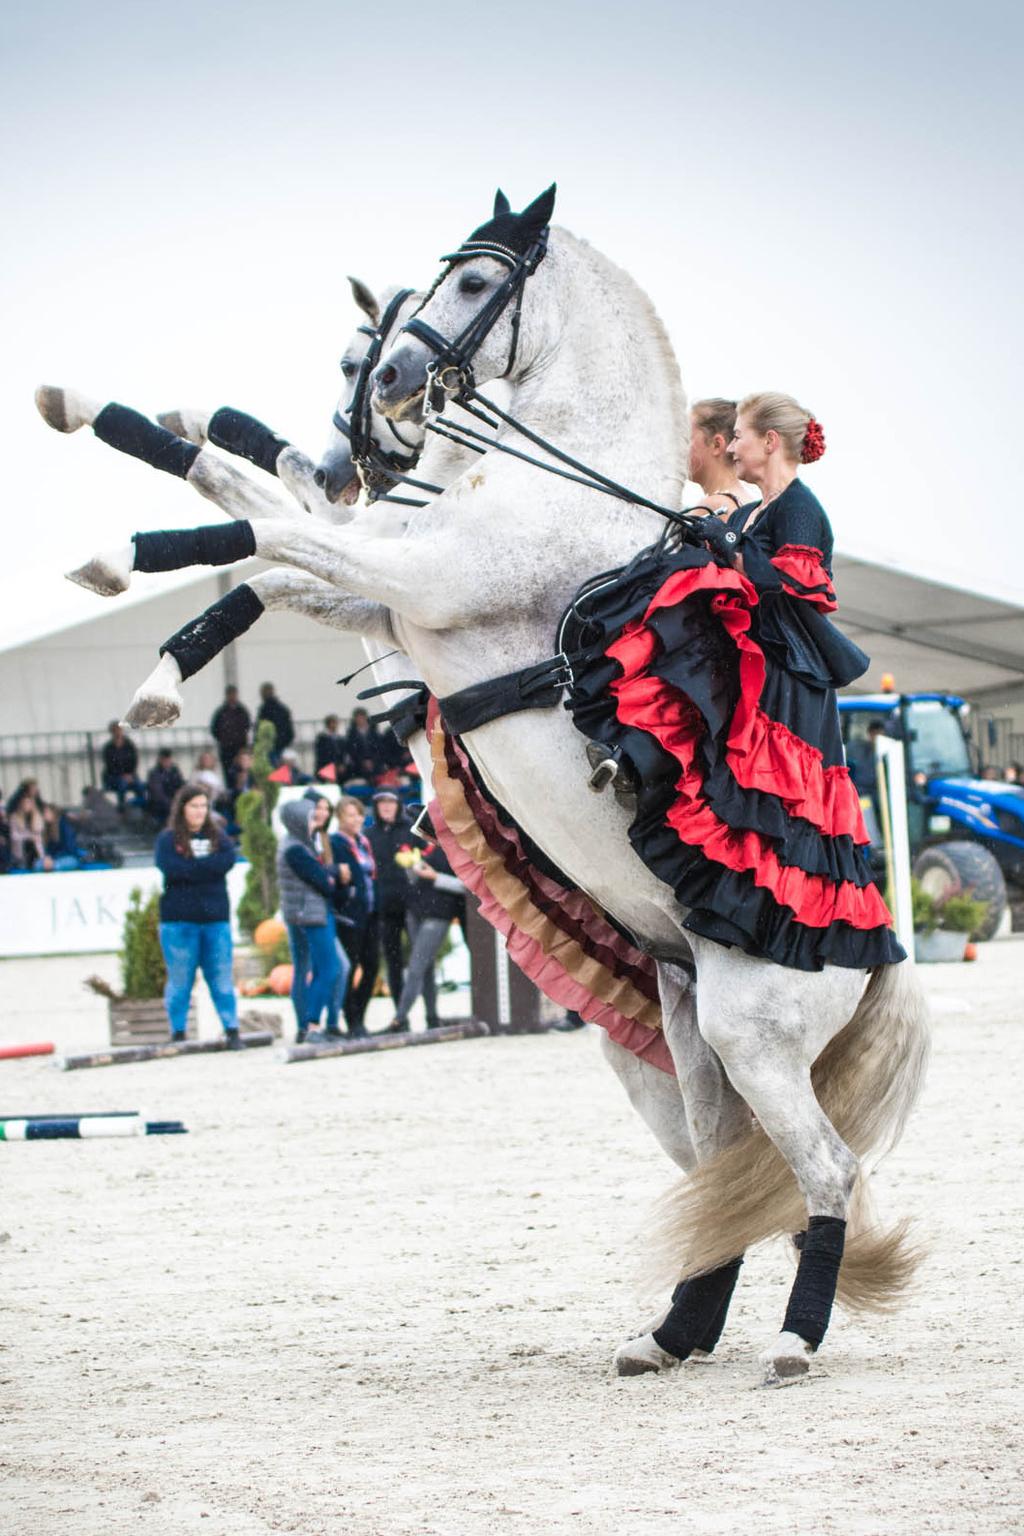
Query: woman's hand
721, 541
424, 872
344, 874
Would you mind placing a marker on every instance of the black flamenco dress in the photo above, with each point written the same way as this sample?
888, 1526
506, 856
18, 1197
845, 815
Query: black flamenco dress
716, 689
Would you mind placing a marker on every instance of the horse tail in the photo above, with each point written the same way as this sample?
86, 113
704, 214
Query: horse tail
866, 1080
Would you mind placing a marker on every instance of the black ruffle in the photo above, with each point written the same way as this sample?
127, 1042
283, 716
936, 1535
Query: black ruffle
698, 658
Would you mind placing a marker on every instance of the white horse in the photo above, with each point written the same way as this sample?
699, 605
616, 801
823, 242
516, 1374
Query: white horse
474, 587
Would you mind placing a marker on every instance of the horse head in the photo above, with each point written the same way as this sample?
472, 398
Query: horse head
338, 475
474, 322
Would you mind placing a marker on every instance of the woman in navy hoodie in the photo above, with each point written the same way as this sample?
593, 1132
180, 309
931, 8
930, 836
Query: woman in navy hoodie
194, 855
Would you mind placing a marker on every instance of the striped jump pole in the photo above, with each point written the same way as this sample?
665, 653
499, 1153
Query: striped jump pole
40, 1048
84, 1127
118, 1055
463, 1029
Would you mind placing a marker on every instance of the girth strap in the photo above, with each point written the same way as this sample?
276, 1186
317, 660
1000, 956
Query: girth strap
538, 687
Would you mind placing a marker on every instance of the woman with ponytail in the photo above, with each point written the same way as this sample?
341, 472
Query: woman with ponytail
709, 676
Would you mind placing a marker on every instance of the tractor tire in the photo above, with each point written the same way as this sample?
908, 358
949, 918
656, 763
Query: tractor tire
956, 869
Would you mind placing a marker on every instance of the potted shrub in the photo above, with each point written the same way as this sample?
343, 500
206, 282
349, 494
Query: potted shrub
942, 928
137, 1011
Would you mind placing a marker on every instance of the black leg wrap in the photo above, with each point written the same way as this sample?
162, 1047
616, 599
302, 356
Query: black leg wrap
174, 549
131, 432
245, 436
698, 1310
814, 1289
200, 640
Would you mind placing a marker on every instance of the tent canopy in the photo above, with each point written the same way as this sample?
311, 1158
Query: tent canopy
928, 635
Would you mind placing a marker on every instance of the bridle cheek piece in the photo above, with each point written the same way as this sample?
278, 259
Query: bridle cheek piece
379, 467
451, 372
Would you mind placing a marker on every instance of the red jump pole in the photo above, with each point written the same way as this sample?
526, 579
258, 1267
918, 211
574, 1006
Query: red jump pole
41, 1048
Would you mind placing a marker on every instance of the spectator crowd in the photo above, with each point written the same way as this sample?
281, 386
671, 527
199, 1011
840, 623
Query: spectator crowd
39, 837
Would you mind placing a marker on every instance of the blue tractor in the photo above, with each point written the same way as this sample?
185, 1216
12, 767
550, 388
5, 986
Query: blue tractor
966, 833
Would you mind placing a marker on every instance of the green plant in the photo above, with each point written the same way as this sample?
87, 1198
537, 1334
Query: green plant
143, 972
259, 845
954, 914
962, 914
926, 918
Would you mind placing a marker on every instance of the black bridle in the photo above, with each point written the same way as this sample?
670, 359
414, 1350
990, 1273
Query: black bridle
451, 372
380, 468
450, 376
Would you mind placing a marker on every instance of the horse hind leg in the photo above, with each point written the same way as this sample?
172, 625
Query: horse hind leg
768, 1027
691, 1326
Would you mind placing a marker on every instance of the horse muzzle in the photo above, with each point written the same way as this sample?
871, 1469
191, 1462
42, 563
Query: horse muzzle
399, 382
336, 476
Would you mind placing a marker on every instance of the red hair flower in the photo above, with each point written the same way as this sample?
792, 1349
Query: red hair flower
814, 442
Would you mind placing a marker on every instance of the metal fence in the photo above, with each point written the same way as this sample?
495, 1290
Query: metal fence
995, 740
68, 762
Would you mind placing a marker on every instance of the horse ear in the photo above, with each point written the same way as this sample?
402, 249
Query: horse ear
365, 299
540, 210
501, 203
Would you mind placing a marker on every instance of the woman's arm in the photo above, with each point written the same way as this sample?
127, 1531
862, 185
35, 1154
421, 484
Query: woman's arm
309, 869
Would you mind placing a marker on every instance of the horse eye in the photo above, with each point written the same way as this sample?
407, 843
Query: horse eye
347, 368
472, 283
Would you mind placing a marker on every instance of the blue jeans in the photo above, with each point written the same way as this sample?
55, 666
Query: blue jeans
189, 947
337, 1001
314, 971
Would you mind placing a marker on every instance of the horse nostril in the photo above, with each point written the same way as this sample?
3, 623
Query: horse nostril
388, 374
320, 478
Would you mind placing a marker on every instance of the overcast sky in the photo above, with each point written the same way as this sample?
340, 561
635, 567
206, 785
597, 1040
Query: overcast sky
824, 200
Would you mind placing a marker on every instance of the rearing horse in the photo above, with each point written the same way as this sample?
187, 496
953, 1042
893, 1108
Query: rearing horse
476, 585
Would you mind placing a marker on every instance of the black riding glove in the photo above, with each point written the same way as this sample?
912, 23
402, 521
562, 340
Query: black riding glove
719, 539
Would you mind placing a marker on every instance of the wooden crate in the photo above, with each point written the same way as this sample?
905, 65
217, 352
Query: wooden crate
146, 1023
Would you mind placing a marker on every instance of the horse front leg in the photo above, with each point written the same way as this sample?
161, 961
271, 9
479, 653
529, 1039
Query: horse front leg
714, 1115
158, 701
249, 438
130, 432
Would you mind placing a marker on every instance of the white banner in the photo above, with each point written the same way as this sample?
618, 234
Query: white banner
79, 912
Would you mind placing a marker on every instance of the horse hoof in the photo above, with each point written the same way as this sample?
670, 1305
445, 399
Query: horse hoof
787, 1361
641, 1356
63, 409
105, 574
191, 425
150, 709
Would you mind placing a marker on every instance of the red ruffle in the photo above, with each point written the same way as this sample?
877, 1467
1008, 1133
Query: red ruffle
805, 565
758, 749
762, 754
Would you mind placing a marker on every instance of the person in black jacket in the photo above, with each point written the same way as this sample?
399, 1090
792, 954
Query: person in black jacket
229, 728
162, 784
436, 900
389, 834
194, 855
362, 749
357, 918
120, 767
280, 717
329, 751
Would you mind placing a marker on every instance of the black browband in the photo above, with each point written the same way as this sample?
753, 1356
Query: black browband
451, 371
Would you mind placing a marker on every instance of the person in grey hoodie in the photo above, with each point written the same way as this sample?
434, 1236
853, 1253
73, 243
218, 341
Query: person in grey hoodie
308, 879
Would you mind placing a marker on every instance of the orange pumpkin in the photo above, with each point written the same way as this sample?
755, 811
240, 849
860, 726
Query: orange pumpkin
280, 980
970, 951
269, 933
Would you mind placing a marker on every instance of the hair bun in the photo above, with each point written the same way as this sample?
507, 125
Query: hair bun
814, 442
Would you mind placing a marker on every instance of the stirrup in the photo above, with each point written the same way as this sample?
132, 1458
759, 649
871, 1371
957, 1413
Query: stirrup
607, 768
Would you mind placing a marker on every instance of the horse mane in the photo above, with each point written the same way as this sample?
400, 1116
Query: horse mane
655, 338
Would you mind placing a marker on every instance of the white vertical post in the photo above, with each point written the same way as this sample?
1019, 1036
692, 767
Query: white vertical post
502, 985
892, 755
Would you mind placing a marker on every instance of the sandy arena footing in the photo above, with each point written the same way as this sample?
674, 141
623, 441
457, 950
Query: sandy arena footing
381, 1297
